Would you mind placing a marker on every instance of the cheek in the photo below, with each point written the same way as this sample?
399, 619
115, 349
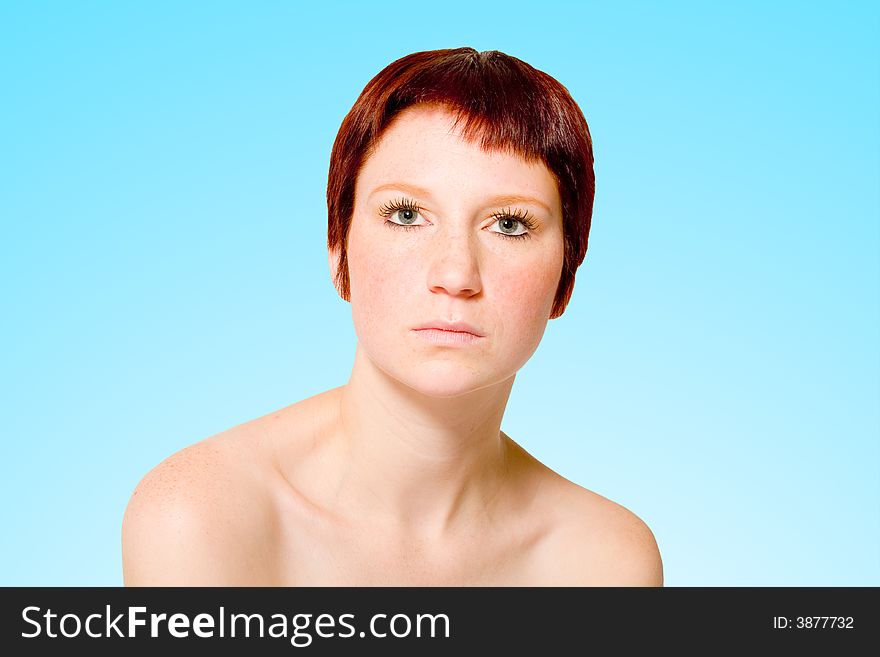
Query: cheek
379, 283
528, 289
523, 298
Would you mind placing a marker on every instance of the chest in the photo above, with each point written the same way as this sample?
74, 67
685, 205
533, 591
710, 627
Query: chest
334, 556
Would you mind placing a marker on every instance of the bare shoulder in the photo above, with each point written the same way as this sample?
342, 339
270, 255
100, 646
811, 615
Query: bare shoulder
209, 514
598, 542
199, 518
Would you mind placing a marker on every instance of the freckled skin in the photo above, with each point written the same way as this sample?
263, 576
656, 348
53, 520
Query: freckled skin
455, 266
312, 496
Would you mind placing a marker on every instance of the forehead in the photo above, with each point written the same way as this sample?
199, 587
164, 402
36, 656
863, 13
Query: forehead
423, 146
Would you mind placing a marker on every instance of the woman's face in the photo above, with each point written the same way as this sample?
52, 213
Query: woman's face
430, 242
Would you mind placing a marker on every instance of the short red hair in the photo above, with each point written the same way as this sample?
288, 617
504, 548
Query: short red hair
505, 103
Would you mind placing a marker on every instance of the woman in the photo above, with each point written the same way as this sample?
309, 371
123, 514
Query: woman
460, 195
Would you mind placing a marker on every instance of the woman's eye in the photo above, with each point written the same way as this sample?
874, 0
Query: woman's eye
404, 216
404, 213
511, 226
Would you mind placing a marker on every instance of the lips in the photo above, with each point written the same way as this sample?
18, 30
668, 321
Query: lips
455, 327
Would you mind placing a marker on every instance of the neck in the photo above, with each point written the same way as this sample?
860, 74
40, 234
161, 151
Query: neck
417, 463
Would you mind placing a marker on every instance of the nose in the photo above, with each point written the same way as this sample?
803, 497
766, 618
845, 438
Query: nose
454, 266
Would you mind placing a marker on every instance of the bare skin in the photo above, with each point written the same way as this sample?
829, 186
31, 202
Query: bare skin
228, 512
403, 475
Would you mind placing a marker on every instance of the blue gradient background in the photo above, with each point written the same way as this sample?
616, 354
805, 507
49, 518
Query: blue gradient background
164, 268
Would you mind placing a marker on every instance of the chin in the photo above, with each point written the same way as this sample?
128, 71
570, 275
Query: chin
442, 379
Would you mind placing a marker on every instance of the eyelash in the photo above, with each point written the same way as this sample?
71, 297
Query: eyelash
406, 204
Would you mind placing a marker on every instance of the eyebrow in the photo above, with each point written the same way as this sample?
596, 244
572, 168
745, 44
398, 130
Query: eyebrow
501, 199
